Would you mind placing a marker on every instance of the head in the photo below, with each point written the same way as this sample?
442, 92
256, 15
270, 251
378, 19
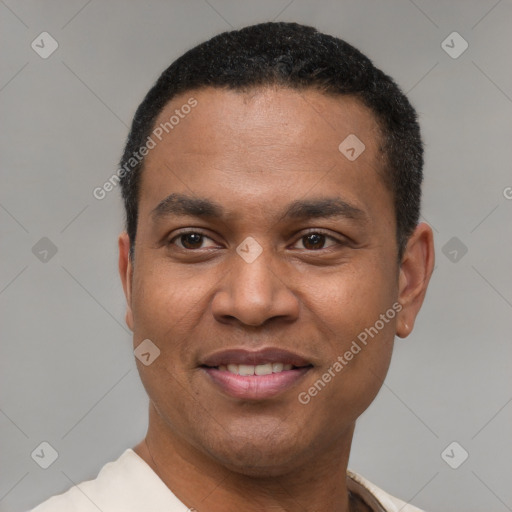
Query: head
275, 209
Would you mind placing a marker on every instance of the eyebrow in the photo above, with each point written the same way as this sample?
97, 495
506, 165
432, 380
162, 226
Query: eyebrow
302, 209
327, 207
181, 204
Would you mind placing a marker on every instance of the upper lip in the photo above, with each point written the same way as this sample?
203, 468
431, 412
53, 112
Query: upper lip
254, 357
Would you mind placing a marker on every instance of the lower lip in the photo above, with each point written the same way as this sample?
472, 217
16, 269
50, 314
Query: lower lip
255, 387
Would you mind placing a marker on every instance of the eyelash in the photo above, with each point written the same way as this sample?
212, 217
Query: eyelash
311, 232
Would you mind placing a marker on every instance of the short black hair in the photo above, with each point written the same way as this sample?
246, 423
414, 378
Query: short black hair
298, 57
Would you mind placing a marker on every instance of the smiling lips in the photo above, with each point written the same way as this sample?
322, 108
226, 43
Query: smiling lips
255, 375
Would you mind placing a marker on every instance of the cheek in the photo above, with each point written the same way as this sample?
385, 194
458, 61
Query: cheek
352, 298
162, 299
160, 315
354, 309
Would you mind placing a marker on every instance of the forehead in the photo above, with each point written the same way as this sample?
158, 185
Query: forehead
249, 141
307, 117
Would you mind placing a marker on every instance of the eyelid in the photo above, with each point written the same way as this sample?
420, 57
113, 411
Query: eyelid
340, 239
186, 231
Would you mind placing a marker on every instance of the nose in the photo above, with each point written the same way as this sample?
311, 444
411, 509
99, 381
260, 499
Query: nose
253, 293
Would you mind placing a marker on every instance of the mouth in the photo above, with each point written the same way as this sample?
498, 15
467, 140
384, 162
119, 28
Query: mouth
255, 375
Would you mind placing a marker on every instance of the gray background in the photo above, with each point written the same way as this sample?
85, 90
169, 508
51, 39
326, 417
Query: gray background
68, 375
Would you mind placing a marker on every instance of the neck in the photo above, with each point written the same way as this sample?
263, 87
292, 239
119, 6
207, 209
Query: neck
203, 484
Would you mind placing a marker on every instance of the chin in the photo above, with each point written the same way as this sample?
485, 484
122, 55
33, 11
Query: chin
258, 463
260, 453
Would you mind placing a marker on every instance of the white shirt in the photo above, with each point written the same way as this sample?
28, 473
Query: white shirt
129, 484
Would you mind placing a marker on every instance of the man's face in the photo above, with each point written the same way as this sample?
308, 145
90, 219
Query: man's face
324, 274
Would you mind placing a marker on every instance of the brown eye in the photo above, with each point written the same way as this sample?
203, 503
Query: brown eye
317, 241
191, 240
313, 241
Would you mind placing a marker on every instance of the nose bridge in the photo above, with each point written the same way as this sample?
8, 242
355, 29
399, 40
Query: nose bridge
253, 279
253, 291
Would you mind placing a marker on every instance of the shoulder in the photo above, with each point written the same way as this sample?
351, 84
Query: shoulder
85, 496
126, 484
375, 496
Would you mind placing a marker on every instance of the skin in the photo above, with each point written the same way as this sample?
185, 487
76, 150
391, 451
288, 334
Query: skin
255, 152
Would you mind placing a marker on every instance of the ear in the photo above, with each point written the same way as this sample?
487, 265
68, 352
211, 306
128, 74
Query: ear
126, 273
415, 271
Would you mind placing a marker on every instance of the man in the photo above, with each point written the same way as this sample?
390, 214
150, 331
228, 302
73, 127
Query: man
272, 252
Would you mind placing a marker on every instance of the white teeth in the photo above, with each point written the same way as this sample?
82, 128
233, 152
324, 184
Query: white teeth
246, 369
277, 367
263, 369
250, 369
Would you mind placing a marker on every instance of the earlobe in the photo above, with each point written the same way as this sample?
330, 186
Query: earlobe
126, 274
415, 272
